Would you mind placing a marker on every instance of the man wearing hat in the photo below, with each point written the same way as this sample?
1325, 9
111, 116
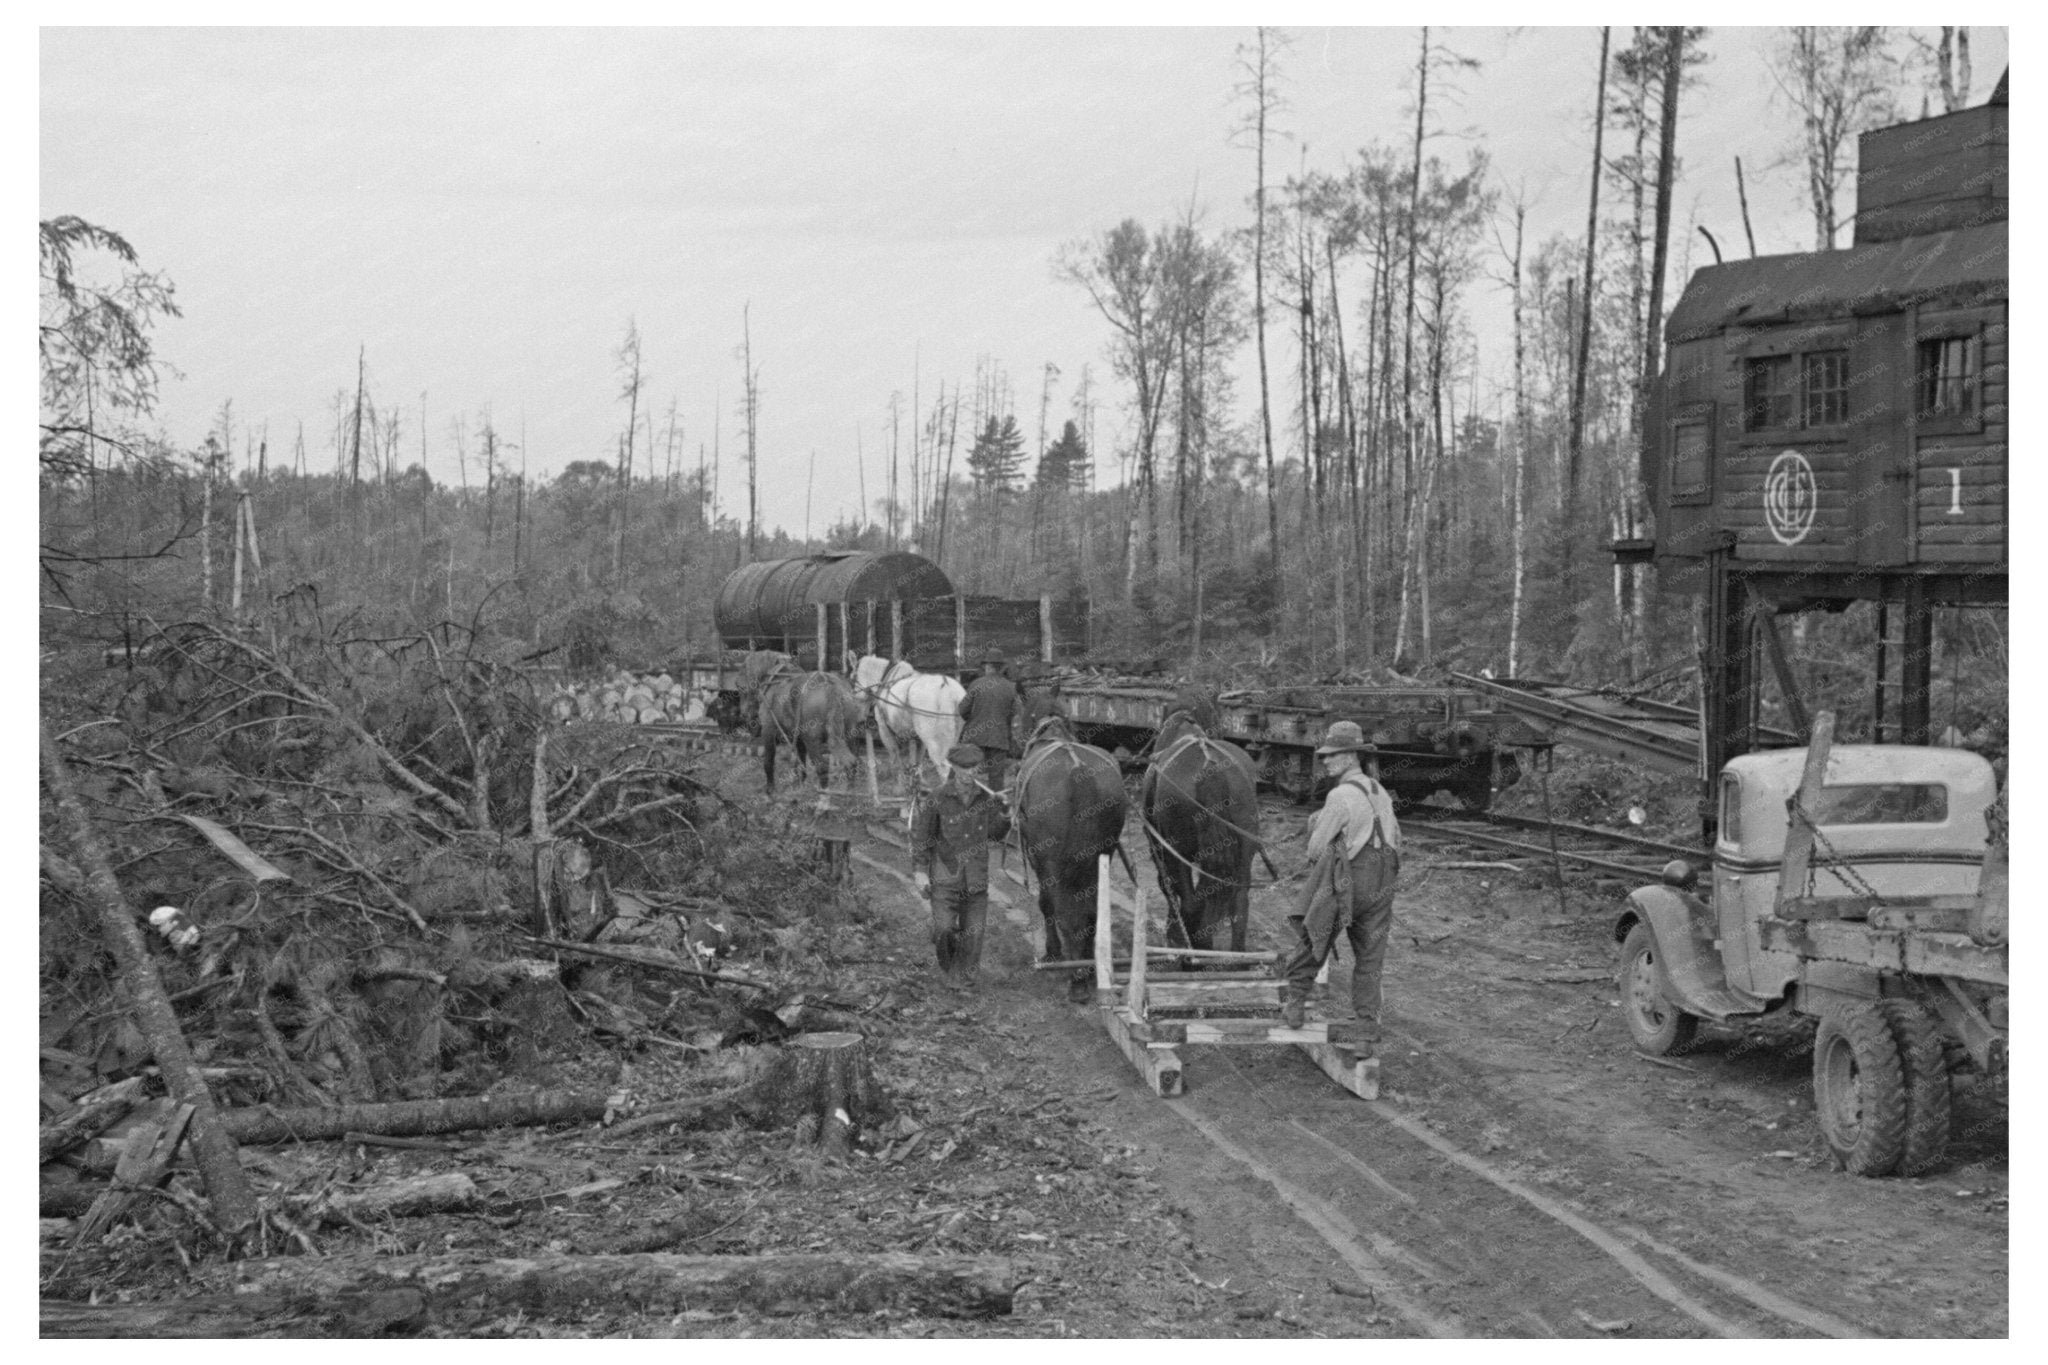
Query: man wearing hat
989, 712
1355, 845
950, 833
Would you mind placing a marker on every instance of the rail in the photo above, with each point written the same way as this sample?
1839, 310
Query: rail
1654, 734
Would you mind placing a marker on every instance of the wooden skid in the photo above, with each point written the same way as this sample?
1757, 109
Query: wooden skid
1186, 994
1158, 1063
1359, 1075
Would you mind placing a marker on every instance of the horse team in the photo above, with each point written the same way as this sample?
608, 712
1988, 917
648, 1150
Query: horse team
1197, 800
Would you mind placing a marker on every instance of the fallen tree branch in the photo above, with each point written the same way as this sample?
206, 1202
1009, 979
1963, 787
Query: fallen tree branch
312, 697
234, 1201
413, 1118
646, 957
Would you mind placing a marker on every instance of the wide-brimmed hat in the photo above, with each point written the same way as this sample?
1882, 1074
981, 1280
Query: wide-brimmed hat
964, 755
1345, 738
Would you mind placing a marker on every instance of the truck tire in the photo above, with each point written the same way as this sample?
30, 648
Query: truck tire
1924, 1062
1859, 1090
1657, 1026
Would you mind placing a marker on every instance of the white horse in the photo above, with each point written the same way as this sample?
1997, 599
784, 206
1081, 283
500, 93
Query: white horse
908, 706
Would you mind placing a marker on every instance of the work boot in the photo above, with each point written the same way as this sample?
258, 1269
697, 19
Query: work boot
1293, 1011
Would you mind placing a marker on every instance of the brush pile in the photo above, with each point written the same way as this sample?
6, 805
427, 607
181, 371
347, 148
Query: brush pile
373, 870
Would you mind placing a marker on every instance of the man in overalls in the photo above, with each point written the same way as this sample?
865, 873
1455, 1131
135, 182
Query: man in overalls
951, 830
1355, 845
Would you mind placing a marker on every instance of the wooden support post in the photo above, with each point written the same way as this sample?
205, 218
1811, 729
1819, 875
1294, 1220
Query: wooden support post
1916, 665
1788, 686
1104, 934
1135, 998
959, 632
1799, 833
1045, 627
1877, 692
895, 628
821, 635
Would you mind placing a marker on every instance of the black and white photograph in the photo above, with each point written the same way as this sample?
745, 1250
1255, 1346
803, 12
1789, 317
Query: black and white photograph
1021, 675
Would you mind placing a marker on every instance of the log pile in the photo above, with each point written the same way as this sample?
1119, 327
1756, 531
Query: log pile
627, 698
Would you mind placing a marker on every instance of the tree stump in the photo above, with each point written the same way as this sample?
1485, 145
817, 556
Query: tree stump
822, 1084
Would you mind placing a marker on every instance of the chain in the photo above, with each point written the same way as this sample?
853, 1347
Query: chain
1842, 868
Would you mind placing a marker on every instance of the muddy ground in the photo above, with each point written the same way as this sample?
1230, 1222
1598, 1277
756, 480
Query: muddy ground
1524, 1173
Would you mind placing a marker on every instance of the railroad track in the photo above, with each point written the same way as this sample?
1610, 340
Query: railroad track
1522, 838
1515, 839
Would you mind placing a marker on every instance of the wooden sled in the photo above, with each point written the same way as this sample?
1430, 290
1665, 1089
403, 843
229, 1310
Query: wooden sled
1151, 1012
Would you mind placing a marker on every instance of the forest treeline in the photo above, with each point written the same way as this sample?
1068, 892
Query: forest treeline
1384, 500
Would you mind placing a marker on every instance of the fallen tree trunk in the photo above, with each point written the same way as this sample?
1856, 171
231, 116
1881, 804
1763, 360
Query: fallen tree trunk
942, 1286
96, 1112
435, 1193
235, 1210
413, 1118
234, 1315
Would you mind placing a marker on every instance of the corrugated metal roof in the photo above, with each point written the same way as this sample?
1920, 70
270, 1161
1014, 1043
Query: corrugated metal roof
1968, 265
777, 597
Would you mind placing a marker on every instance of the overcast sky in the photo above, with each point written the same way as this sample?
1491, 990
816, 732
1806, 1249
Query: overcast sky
483, 210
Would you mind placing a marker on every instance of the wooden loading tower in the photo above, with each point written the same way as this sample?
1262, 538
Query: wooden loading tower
1830, 428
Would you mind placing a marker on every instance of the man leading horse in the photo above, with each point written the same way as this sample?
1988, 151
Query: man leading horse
1356, 847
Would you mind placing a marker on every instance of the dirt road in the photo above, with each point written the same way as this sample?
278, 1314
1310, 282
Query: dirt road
1524, 1172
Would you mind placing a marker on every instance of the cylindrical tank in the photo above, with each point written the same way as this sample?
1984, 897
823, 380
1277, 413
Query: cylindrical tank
773, 603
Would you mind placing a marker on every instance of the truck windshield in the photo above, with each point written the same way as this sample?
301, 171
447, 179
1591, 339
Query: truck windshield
1883, 803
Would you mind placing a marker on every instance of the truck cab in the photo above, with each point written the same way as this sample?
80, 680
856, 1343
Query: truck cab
1892, 822
1856, 884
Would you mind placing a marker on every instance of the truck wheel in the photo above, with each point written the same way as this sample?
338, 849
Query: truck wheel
1859, 1090
1657, 1025
1924, 1063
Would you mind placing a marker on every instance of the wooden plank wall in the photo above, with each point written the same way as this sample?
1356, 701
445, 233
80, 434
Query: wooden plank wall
1960, 517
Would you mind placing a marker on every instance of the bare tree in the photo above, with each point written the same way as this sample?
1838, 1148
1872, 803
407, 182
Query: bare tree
631, 377
1839, 80
750, 403
1258, 60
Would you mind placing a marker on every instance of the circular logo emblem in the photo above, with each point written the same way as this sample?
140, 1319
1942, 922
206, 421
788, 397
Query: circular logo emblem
1790, 498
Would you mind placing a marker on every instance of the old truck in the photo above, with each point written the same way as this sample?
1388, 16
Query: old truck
1857, 884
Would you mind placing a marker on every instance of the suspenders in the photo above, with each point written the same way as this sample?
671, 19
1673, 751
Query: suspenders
1358, 779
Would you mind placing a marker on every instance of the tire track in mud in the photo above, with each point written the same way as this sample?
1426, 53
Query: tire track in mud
1494, 1266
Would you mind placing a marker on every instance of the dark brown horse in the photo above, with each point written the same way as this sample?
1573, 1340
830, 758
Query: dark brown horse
1070, 811
817, 712
1201, 811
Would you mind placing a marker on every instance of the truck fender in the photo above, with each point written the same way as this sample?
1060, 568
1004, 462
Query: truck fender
1689, 966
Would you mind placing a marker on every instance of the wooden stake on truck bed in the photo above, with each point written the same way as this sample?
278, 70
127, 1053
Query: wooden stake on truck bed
1805, 801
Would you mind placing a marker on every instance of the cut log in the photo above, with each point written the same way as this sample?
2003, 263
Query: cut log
97, 1111
142, 1166
413, 1118
72, 1198
434, 1193
823, 1083
853, 1282
235, 1315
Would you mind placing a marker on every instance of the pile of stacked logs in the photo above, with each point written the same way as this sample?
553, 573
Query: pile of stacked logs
627, 698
